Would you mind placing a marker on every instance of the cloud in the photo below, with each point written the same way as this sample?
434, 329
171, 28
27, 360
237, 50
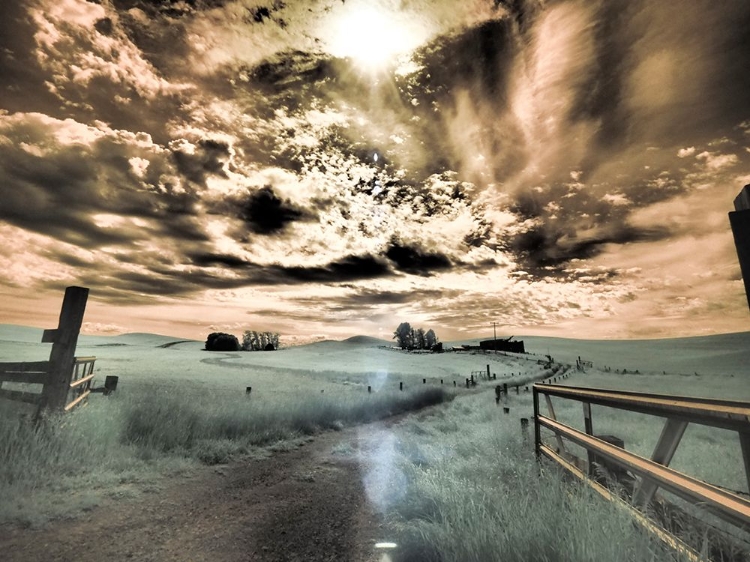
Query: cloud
416, 261
716, 162
685, 152
265, 213
159, 150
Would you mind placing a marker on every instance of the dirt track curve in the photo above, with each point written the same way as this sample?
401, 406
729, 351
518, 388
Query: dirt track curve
306, 504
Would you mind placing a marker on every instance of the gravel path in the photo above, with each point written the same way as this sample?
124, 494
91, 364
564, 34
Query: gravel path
306, 504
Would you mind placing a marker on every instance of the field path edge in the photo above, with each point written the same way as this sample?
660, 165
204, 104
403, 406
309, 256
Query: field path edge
303, 504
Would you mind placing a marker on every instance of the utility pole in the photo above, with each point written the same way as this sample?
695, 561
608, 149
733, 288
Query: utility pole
494, 332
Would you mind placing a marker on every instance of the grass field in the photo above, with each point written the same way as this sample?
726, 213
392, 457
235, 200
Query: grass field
468, 486
471, 490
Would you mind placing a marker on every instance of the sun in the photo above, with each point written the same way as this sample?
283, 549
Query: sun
372, 37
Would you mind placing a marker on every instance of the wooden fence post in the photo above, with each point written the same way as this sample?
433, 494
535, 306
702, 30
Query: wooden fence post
62, 356
739, 220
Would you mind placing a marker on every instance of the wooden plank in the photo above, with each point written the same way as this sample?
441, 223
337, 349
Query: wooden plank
589, 428
537, 427
725, 414
62, 356
81, 381
49, 336
20, 396
670, 437
667, 538
24, 377
77, 401
728, 506
24, 367
560, 444
85, 359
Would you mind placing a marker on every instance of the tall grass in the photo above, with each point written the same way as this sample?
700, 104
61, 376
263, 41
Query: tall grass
474, 492
57, 467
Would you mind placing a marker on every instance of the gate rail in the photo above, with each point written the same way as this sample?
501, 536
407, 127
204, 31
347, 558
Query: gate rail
651, 473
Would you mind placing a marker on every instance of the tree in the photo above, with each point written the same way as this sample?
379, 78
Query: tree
430, 339
219, 341
419, 339
260, 341
402, 335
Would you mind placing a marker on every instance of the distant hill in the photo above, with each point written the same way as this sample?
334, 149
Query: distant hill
26, 334
366, 340
719, 354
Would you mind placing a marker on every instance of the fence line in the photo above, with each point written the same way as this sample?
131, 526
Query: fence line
66, 380
651, 473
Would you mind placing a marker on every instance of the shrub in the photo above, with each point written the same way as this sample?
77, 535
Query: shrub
219, 341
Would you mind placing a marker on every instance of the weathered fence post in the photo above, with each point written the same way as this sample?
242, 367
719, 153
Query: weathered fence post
248, 390
505, 388
454, 383
739, 220
506, 410
498, 391
517, 389
424, 381
110, 384
62, 356
369, 389
525, 429
401, 386
489, 376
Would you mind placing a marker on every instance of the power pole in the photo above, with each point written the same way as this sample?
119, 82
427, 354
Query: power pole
494, 332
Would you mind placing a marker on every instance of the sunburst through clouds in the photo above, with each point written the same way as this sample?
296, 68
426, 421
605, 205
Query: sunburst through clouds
328, 166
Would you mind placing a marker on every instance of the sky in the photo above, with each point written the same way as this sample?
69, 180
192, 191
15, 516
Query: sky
326, 168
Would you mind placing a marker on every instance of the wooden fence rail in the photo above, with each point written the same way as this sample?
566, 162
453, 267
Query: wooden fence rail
653, 473
66, 380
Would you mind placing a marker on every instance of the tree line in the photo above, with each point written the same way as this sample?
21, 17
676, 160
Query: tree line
251, 341
408, 337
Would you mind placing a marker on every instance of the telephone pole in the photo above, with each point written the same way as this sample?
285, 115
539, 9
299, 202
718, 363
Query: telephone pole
494, 332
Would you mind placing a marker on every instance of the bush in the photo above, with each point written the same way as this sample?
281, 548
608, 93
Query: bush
219, 341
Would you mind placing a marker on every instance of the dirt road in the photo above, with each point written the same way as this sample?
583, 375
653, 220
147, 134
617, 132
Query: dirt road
307, 504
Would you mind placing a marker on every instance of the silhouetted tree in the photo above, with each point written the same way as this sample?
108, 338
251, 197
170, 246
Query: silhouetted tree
260, 341
219, 341
419, 339
430, 339
402, 335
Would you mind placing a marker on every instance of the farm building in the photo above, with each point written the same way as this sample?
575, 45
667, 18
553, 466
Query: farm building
503, 345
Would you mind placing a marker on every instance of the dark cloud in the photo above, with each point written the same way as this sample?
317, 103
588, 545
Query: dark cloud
350, 268
211, 157
222, 260
544, 250
416, 261
58, 192
265, 213
372, 297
